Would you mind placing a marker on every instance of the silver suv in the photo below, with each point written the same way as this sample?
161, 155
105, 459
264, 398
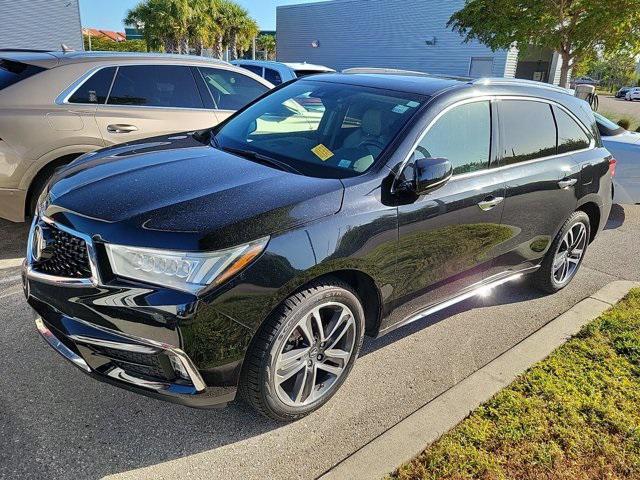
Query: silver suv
55, 106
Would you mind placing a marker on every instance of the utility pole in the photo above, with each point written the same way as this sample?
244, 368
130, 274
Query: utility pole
253, 49
89, 41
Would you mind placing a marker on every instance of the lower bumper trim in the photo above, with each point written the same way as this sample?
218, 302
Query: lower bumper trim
60, 347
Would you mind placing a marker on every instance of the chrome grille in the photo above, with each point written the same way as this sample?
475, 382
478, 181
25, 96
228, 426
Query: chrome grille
65, 255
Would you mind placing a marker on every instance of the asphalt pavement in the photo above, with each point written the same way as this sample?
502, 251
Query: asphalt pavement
55, 422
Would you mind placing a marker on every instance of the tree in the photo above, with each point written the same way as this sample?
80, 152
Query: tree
573, 28
104, 45
267, 44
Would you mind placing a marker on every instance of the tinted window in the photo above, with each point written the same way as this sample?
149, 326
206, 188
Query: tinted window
462, 135
155, 86
253, 68
96, 88
231, 90
570, 136
272, 76
529, 130
13, 72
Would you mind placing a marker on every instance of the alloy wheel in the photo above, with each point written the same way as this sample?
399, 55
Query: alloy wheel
569, 254
315, 354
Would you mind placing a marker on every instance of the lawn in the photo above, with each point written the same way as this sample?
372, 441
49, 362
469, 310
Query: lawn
634, 121
575, 415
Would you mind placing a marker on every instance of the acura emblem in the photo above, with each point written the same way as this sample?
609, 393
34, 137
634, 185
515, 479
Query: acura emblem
37, 243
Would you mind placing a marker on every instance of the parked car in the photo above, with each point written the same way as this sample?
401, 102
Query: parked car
633, 94
279, 72
625, 148
56, 106
622, 93
191, 267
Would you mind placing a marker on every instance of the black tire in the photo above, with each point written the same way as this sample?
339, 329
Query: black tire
543, 279
257, 383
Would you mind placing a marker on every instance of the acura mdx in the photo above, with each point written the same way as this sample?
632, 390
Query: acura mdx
247, 259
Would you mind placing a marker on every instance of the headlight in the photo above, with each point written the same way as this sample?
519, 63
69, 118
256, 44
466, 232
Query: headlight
188, 271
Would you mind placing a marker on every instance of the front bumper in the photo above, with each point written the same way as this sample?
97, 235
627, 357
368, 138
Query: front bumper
139, 337
125, 361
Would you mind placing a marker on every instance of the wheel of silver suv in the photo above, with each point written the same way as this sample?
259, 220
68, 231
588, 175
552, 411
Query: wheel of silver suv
304, 351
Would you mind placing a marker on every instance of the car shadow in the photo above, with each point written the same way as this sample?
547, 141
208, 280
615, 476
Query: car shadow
616, 217
13, 239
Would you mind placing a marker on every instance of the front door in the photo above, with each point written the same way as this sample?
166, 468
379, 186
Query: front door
151, 100
448, 239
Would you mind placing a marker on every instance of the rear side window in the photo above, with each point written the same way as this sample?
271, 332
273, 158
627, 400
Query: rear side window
570, 136
463, 136
253, 68
12, 72
231, 90
96, 88
272, 76
528, 130
155, 86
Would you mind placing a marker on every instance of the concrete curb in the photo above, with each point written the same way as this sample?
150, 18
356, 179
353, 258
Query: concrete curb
412, 435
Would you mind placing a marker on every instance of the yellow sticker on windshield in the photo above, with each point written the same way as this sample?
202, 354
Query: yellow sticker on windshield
322, 152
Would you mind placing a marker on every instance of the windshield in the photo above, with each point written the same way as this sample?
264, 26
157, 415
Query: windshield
321, 128
607, 127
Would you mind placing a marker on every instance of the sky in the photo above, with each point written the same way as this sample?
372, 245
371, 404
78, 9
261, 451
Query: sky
108, 14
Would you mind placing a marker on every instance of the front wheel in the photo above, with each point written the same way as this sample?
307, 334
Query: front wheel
562, 261
304, 351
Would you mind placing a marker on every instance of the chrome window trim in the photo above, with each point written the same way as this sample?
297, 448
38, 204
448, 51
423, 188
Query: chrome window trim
496, 98
63, 97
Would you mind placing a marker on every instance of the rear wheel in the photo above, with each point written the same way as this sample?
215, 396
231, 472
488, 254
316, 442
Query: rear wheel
304, 351
565, 256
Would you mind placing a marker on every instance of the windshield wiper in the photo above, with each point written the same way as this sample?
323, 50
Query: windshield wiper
251, 155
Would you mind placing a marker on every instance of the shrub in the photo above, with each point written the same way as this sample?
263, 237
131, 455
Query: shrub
624, 123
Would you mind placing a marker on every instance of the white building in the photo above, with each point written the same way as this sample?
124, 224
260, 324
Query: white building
40, 24
404, 34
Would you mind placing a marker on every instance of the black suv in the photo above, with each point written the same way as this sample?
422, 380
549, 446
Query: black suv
254, 256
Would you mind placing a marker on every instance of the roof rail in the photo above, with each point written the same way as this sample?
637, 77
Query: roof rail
397, 71
519, 81
26, 50
382, 70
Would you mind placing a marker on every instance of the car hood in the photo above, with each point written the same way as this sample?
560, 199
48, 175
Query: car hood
626, 137
175, 191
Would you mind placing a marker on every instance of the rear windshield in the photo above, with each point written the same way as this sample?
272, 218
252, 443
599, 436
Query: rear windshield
306, 73
12, 72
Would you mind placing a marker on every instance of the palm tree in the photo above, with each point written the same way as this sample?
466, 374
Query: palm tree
267, 44
234, 18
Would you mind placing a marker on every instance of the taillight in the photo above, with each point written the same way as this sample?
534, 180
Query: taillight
612, 166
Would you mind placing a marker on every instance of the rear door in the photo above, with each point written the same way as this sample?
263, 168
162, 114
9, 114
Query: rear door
150, 100
542, 147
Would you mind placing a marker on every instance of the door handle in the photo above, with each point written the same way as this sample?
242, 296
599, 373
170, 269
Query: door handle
121, 128
490, 202
565, 184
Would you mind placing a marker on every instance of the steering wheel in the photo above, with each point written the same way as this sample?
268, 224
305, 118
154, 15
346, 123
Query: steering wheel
423, 151
373, 143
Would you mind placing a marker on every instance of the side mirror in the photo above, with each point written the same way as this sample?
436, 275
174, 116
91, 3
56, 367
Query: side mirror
430, 173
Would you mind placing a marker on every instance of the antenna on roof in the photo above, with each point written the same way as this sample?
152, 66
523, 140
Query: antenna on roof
66, 49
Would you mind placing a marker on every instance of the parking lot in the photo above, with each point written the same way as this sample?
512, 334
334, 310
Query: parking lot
58, 423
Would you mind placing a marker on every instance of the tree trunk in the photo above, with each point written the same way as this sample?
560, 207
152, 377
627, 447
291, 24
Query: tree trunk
199, 47
183, 46
564, 69
233, 46
219, 48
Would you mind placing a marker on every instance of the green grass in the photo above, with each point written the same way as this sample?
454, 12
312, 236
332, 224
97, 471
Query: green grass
575, 415
615, 117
